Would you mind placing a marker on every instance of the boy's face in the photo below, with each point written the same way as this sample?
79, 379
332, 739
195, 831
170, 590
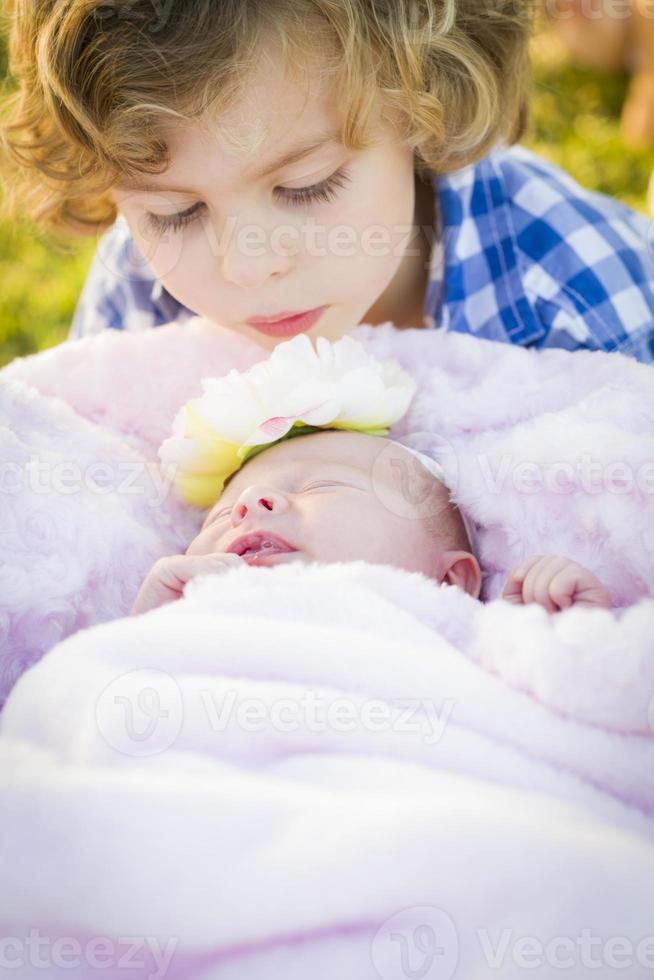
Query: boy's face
331, 496
249, 250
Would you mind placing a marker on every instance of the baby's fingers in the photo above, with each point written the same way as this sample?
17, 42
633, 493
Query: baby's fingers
180, 569
536, 586
168, 577
575, 585
565, 584
513, 588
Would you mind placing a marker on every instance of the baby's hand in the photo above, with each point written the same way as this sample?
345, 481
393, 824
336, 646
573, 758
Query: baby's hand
166, 580
555, 583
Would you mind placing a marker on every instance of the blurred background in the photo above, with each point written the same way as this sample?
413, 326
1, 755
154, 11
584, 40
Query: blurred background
575, 122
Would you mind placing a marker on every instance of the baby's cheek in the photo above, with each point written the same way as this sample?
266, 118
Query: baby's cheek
321, 534
360, 532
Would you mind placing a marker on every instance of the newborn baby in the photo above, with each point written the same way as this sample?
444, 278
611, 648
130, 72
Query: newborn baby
336, 496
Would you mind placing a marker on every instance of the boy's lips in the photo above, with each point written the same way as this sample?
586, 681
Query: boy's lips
289, 325
259, 544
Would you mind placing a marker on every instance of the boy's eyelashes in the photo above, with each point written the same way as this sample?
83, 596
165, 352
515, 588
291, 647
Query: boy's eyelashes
159, 223
324, 192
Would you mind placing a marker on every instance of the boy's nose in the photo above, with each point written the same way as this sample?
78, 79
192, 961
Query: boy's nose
249, 265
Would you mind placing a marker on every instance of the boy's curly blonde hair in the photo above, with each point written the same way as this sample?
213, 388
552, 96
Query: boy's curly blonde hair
100, 81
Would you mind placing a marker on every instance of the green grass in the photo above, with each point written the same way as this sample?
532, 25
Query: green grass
39, 287
575, 123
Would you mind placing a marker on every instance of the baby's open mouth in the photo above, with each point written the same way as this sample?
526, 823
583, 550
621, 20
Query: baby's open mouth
260, 544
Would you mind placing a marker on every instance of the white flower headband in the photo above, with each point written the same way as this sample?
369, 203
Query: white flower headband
297, 390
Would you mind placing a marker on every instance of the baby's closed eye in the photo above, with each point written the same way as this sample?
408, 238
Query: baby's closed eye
321, 483
224, 512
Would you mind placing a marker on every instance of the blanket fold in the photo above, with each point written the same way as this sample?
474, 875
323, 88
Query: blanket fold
223, 751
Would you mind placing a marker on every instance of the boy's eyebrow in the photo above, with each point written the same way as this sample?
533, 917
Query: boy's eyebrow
291, 156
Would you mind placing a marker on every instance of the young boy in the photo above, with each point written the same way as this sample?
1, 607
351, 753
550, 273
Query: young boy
305, 166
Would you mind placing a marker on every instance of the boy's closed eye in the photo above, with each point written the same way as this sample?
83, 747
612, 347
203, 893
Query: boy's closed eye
324, 192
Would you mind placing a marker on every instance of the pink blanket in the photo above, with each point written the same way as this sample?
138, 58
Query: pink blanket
334, 771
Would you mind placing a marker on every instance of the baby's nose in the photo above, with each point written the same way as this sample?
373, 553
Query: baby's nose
256, 499
265, 502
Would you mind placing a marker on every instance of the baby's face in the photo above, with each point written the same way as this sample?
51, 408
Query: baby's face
331, 496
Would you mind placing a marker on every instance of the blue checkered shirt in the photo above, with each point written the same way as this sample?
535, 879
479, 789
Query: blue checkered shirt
521, 253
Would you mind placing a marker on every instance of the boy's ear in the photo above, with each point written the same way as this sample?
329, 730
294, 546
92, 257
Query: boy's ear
462, 569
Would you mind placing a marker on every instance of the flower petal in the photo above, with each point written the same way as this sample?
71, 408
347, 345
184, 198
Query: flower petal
299, 388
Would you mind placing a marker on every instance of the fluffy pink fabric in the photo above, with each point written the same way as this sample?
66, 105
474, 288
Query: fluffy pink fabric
86, 510
547, 451
91, 414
